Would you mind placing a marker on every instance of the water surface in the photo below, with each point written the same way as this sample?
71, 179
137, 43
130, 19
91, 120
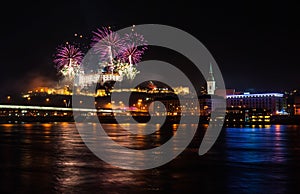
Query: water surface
51, 158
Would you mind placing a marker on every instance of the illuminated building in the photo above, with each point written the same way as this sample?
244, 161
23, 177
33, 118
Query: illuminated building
209, 104
85, 79
110, 77
88, 79
101, 92
171, 106
294, 104
275, 103
65, 90
211, 83
241, 116
181, 90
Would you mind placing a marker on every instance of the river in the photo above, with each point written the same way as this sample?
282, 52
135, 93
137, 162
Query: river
52, 158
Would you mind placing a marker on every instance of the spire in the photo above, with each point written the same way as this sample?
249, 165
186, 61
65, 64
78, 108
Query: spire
211, 83
210, 68
211, 75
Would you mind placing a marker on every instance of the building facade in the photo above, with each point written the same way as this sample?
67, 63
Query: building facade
274, 103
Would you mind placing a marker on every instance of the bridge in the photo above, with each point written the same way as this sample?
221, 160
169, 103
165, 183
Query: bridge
49, 108
26, 113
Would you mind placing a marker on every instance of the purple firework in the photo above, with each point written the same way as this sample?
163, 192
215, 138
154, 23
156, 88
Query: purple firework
136, 39
131, 54
66, 55
134, 47
107, 43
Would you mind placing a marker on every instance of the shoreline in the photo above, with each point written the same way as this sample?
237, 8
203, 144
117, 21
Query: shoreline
139, 119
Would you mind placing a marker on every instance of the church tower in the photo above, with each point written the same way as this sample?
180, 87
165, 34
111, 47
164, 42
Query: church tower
211, 83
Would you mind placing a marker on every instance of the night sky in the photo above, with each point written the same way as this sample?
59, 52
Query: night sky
254, 44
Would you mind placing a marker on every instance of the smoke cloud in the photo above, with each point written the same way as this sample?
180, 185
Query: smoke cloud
16, 86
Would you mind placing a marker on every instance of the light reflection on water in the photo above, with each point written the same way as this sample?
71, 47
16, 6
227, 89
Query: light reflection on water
259, 157
51, 158
260, 145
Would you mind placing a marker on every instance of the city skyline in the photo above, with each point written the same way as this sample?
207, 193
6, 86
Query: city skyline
250, 42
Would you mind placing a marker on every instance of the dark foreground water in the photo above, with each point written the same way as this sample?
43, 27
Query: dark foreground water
51, 158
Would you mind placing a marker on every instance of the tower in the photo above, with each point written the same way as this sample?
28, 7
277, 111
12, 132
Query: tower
211, 83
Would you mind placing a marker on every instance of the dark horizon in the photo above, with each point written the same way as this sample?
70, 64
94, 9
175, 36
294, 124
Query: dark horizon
251, 42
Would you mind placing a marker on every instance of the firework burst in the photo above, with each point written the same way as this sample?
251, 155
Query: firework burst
136, 39
68, 59
131, 54
70, 70
68, 55
107, 43
126, 70
134, 47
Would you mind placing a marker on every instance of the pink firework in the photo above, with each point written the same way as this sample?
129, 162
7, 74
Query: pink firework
131, 54
134, 47
67, 55
137, 39
107, 43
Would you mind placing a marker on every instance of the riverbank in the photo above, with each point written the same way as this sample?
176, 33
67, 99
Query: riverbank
282, 120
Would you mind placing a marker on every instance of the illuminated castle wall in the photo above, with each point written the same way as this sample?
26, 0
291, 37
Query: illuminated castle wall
88, 79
